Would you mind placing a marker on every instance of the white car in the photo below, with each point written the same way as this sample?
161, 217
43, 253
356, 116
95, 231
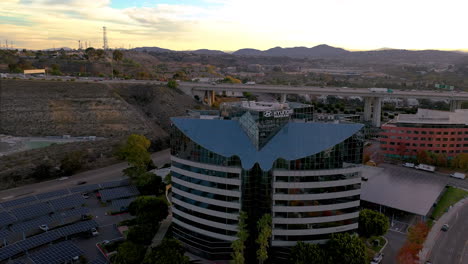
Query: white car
408, 165
94, 232
44, 227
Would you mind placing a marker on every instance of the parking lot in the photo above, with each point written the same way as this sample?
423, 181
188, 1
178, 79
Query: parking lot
34, 228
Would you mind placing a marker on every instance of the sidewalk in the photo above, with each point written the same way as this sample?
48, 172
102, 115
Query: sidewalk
433, 235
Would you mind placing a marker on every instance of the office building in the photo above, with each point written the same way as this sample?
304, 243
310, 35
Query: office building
263, 158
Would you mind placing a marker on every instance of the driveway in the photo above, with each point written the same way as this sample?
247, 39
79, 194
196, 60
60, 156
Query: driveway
395, 242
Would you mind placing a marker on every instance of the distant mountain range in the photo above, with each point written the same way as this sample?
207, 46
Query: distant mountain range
325, 51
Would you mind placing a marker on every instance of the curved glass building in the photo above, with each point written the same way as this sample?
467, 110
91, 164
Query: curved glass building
263, 158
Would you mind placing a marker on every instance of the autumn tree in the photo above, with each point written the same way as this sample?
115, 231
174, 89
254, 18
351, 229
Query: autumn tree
422, 156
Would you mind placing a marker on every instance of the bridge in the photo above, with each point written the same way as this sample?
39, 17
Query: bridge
372, 100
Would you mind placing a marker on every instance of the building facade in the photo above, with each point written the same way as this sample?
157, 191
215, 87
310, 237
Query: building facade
263, 159
440, 132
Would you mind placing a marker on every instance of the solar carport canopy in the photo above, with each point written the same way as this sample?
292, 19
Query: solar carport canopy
63, 252
401, 188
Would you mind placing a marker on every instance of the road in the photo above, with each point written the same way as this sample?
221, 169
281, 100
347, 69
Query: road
452, 246
113, 172
259, 88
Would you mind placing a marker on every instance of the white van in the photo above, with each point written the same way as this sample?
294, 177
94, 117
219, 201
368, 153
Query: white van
458, 175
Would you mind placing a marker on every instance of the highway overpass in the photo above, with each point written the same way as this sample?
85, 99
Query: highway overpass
372, 100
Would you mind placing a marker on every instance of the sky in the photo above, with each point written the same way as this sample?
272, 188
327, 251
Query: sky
234, 24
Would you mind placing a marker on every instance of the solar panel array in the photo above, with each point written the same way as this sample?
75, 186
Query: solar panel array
67, 202
47, 195
32, 224
74, 212
113, 184
116, 193
4, 234
18, 202
31, 211
77, 228
98, 261
57, 253
121, 204
38, 240
85, 188
9, 251
45, 238
6, 219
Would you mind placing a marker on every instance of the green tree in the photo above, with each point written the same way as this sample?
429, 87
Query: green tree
460, 162
135, 152
129, 253
117, 55
42, 172
55, 69
303, 253
149, 183
149, 209
263, 239
238, 245
372, 223
346, 248
72, 162
172, 84
170, 251
142, 234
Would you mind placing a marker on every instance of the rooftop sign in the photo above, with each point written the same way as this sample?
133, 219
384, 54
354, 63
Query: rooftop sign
278, 114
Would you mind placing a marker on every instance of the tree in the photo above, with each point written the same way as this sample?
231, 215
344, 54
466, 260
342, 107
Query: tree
142, 234
442, 160
135, 152
129, 253
372, 223
117, 55
149, 209
303, 253
170, 251
460, 162
346, 248
149, 183
172, 84
72, 162
230, 79
238, 245
42, 172
264, 235
422, 156
55, 69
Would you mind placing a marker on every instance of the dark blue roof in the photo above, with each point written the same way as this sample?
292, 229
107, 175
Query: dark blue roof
293, 141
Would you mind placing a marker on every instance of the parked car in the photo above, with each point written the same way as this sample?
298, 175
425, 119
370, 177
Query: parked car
44, 227
94, 232
408, 165
62, 178
445, 227
85, 195
377, 258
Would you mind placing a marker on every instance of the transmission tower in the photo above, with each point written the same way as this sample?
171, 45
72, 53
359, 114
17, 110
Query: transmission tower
104, 37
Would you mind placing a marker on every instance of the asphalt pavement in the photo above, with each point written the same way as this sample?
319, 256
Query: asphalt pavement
113, 172
395, 242
452, 246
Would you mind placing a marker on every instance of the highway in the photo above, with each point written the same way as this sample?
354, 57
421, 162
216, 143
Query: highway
283, 89
452, 246
113, 172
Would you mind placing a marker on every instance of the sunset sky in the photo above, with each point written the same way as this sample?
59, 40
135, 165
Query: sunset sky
234, 24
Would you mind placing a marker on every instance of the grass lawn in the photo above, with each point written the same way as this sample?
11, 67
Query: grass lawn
450, 197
